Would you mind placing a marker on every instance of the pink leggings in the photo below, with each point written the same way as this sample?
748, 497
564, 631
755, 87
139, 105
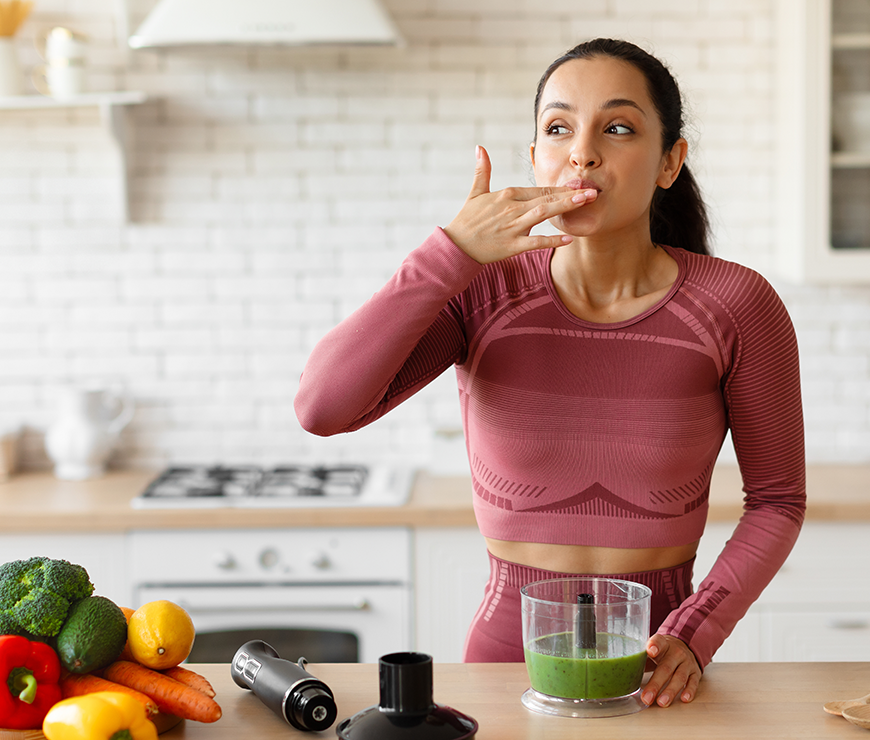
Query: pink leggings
495, 635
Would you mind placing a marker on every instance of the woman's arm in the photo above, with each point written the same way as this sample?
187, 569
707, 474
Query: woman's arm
406, 334
394, 344
762, 394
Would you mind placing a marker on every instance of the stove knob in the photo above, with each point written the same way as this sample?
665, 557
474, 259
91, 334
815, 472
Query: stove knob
225, 561
320, 560
269, 558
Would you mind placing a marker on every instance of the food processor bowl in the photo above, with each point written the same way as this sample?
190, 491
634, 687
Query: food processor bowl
584, 641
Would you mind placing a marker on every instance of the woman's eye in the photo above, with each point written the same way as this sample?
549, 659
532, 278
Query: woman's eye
556, 129
619, 128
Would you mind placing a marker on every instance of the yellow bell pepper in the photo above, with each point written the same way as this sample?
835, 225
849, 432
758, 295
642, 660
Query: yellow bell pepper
103, 715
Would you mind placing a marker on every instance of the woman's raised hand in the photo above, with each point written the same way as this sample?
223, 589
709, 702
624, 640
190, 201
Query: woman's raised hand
494, 226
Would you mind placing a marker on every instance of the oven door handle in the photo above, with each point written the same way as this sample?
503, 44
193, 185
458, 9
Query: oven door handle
360, 605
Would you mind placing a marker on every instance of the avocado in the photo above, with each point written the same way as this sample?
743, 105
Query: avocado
92, 636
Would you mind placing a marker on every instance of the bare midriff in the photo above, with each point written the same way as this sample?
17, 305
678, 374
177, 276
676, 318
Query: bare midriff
591, 560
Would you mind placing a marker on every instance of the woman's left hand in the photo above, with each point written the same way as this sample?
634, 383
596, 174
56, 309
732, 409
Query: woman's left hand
677, 672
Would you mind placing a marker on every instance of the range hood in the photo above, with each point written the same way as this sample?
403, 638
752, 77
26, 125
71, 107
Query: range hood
294, 22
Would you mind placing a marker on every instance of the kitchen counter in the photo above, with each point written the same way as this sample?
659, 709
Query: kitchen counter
736, 700
39, 502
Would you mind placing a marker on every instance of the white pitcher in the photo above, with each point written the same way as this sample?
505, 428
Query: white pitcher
86, 431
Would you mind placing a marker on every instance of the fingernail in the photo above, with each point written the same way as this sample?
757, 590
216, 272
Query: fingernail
664, 700
652, 651
687, 696
477, 152
648, 698
567, 239
579, 197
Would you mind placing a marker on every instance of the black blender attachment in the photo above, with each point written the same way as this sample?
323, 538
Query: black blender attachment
584, 625
406, 709
286, 688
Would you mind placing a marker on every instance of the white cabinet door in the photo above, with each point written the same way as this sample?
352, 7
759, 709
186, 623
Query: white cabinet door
816, 607
451, 570
800, 636
104, 556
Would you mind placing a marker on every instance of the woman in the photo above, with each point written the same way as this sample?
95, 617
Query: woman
599, 369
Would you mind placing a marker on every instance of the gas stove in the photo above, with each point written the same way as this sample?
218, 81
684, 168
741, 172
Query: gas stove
254, 486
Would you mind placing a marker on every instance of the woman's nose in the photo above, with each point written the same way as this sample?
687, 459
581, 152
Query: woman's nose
584, 154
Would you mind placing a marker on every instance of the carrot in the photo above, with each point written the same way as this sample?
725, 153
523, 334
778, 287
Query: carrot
171, 696
191, 679
79, 684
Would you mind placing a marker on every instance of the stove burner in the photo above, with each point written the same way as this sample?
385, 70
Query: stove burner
201, 481
340, 480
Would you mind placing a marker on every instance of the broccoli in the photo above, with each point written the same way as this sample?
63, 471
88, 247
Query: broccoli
36, 594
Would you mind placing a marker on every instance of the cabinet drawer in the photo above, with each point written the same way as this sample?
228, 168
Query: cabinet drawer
841, 635
228, 556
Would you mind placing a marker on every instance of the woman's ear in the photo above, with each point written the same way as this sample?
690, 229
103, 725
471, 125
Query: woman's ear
532, 153
672, 163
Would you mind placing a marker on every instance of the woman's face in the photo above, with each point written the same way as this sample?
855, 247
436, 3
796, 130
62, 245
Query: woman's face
598, 128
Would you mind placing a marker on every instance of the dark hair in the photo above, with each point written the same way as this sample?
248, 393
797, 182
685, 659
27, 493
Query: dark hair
678, 216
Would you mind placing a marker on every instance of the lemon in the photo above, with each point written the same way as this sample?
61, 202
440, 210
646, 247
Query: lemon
160, 634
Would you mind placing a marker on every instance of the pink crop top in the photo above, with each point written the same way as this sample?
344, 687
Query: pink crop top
590, 434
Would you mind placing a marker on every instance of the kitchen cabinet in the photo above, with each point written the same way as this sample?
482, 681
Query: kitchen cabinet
815, 609
102, 555
451, 568
823, 140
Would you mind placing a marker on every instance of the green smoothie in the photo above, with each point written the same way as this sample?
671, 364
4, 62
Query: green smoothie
558, 668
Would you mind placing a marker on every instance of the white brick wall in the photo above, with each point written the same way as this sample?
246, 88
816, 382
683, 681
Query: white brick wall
274, 189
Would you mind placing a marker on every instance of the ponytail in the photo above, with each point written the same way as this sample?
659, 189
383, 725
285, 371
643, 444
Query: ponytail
678, 216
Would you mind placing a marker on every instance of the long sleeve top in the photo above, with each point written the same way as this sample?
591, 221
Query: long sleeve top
592, 434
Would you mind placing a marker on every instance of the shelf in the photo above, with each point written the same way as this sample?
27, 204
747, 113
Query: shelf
850, 41
113, 112
24, 102
850, 160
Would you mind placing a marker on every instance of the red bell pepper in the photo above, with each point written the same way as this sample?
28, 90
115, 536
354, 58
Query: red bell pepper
30, 675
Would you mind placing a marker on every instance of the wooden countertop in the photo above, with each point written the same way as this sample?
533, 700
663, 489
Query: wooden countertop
735, 700
39, 502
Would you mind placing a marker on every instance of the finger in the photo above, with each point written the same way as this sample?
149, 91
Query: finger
657, 649
653, 686
533, 193
548, 206
482, 173
539, 241
676, 686
655, 645
691, 688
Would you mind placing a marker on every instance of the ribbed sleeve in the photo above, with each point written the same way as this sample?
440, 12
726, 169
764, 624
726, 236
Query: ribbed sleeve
388, 349
762, 394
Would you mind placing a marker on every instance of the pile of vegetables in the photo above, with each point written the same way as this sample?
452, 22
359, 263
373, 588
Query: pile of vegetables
66, 663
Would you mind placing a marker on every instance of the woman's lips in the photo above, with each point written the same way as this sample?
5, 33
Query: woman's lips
578, 184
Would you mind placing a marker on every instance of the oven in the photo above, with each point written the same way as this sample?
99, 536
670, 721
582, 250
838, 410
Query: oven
330, 595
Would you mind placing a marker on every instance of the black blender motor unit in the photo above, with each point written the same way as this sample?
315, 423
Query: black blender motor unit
286, 688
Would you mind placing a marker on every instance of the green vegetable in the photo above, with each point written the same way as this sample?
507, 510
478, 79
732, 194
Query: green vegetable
93, 635
37, 594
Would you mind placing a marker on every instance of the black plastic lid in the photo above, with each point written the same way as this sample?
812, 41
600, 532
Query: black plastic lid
406, 709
